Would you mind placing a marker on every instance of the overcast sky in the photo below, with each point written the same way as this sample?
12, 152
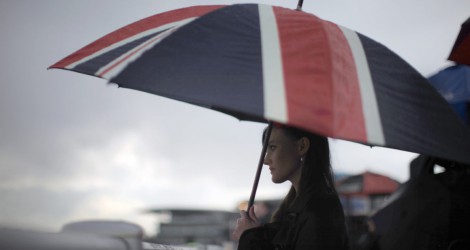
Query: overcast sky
73, 147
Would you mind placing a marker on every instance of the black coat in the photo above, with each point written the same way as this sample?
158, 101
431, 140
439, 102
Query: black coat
314, 221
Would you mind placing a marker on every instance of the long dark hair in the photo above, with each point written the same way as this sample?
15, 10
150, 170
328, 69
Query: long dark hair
316, 176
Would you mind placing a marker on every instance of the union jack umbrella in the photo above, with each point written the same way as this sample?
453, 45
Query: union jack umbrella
461, 50
267, 63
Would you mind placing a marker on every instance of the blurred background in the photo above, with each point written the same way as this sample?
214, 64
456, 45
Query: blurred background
74, 148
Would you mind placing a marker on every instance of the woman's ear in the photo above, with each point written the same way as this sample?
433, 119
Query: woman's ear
304, 145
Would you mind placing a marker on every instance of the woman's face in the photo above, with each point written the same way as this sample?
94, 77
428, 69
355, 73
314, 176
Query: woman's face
283, 157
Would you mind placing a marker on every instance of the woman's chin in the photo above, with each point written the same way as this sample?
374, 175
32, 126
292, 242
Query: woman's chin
276, 180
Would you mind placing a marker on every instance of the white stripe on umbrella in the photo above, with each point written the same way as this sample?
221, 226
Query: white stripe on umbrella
369, 102
115, 67
273, 77
130, 39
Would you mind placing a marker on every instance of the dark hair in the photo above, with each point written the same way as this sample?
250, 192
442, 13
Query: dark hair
316, 175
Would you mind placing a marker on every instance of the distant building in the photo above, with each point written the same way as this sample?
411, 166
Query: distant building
208, 227
360, 195
364, 193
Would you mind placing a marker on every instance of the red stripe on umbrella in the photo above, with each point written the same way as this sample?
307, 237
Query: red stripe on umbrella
339, 110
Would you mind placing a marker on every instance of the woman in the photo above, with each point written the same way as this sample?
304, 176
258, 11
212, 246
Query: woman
310, 216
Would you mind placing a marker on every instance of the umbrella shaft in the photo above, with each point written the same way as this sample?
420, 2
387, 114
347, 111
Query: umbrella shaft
299, 5
260, 166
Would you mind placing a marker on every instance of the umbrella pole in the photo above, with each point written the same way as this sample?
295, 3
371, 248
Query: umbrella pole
299, 4
260, 165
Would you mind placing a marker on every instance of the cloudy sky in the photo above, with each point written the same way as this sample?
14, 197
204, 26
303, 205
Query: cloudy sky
73, 147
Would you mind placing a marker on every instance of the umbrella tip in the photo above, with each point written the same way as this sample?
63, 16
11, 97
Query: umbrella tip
299, 5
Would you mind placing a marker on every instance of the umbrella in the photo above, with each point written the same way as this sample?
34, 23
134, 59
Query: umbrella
460, 53
453, 83
267, 63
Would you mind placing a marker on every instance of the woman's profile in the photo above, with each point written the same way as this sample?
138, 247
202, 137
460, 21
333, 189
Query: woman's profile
311, 215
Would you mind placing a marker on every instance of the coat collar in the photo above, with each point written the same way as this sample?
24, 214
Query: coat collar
300, 203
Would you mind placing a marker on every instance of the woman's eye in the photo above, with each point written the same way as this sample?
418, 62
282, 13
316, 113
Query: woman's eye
272, 147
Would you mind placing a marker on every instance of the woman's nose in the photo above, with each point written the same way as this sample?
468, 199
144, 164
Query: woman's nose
266, 160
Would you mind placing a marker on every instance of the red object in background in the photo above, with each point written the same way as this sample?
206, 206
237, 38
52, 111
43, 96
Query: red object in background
461, 51
378, 184
367, 183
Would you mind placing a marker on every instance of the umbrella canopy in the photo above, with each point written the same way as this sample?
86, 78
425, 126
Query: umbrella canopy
461, 51
453, 83
267, 63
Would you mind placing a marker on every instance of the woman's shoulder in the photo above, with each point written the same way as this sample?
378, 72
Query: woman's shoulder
323, 217
324, 200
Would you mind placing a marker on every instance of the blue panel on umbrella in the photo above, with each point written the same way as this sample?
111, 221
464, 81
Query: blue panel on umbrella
402, 94
221, 47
